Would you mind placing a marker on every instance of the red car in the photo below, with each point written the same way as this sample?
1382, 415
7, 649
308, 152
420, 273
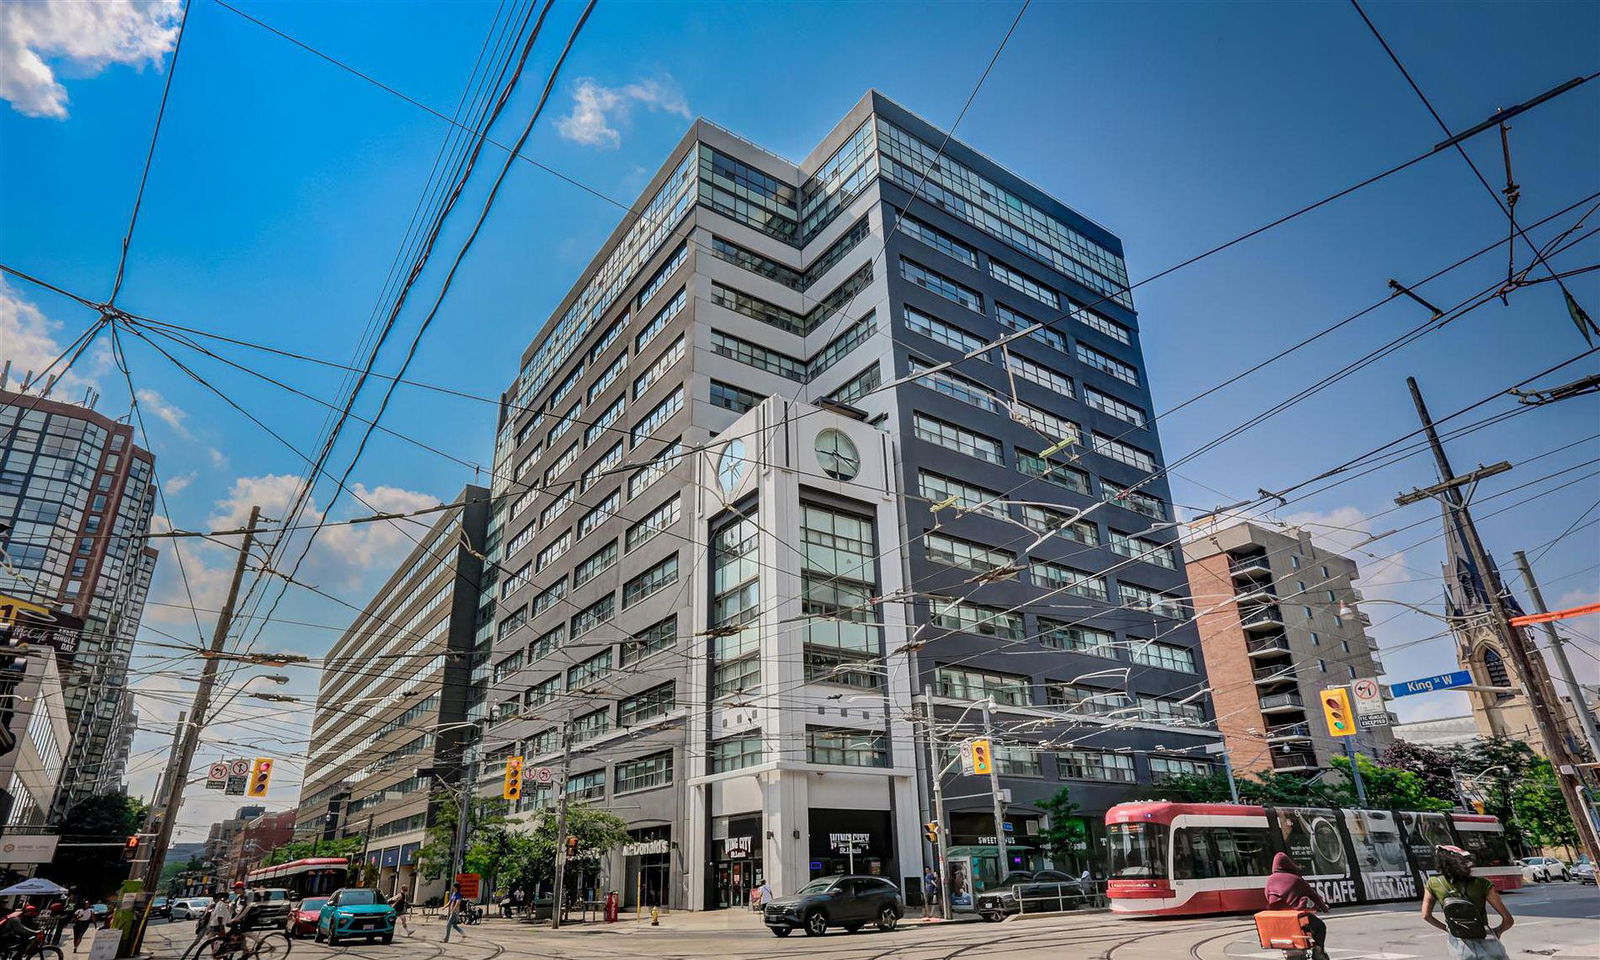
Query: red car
303, 917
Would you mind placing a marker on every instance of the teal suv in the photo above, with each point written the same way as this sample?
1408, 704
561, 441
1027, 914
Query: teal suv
354, 912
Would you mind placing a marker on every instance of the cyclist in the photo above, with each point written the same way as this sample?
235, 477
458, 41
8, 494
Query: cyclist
1288, 890
19, 932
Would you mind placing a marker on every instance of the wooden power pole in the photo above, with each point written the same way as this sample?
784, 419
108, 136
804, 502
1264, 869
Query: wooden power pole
1539, 693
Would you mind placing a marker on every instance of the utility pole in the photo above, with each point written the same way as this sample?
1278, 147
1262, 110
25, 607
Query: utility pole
1558, 650
999, 806
1355, 771
1537, 693
177, 772
458, 861
936, 774
561, 829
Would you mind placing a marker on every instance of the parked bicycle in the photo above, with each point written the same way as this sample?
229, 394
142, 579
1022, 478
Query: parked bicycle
253, 945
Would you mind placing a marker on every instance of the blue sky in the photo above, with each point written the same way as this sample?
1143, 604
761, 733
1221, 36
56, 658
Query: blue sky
282, 186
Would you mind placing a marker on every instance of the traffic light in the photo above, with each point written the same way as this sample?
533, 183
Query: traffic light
512, 789
982, 758
260, 776
130, 850
931, 831
572, 847
1336, 709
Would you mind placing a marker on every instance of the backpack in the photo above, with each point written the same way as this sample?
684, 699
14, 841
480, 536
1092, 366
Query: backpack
1464, 917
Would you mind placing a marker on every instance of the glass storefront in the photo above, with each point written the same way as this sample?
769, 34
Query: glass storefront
852, 841
647, 868
972, 836
735, 859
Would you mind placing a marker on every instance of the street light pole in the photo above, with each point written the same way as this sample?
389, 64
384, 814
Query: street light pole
561, 828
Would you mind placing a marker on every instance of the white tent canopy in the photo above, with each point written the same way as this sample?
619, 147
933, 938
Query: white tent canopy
33, 887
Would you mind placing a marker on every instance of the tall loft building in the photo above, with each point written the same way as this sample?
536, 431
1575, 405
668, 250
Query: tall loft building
733, 545
390, 721
1278, 625
75, 493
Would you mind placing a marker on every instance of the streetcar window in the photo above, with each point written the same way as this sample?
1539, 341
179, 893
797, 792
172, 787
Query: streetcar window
1137, 850
1488, 848
1199, 853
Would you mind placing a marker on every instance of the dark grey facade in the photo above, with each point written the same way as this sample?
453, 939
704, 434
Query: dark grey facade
391, 719
746, 277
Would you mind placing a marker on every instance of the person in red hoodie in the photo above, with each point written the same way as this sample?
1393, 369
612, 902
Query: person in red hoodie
1288, 890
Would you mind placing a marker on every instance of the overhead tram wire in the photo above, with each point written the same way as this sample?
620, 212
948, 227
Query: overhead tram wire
462, 176
149, 157
1508, 210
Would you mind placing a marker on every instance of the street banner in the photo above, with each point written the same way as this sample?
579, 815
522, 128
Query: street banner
21, 848
1370, 708
959, 881
469, 885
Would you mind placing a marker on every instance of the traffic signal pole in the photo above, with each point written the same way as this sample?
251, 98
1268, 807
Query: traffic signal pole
561, 829
177, 772
936, 774
1538, 694
999, 806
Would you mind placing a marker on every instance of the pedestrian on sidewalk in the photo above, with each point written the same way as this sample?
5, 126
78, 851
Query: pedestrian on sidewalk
1288, 890
764, 896
930, 891
1464, 899
82, 920
401, 907
452, 916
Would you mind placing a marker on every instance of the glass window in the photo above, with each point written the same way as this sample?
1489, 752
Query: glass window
1165, 655
957, 388
733, 398
661, 276
1111, 406
1032, 465
1123, 453
659, 636
659, 322
976, 618
847, 748
601, 512
1067, 636
655, 702
756, 263
1135, 597
583, 674
655, 468
604, 420
658, 367
859, 385
1095, 321
658, 416
609, 376
939, 240
938, 283
648, 583
652, 524
1038, 373
593, 615
595, 564
1023, 283
755, 355
1013, 320
736, 752
735, 607
936, 489
1138, 548
1095, 765
588, 726
948, 334
943, 548
644, 773
1078, 583
959, 439
758, 309
1108, 364
968, 683
757, 199
1134, 500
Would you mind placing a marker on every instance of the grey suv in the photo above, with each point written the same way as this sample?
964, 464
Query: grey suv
848, 902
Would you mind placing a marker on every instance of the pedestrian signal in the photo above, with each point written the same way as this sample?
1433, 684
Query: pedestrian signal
130, 850
512, 788
260, 777
931, 831
1336, 709
572, 846
982, 758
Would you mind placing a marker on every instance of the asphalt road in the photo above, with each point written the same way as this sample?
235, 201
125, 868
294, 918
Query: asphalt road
1555, 921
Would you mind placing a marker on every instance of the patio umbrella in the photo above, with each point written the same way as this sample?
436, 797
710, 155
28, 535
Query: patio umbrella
33, 887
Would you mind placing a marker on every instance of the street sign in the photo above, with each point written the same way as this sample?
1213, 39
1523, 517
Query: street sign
1368, 697
235, 785
217, 776
239, 768
469, 885
544, 774
1443, 681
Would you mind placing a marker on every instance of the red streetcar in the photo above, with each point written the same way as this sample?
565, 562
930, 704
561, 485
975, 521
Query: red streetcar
1200, 858
312, 877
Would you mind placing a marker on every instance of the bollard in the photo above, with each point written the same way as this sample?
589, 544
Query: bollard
655, 916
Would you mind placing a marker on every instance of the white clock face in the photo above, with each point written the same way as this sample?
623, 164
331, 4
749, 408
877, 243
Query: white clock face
731, 467
837, 455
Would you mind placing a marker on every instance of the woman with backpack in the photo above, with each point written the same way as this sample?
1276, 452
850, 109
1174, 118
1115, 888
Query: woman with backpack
1464, 899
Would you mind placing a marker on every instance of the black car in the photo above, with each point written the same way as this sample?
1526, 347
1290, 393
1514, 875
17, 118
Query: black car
848, 902
1027, 891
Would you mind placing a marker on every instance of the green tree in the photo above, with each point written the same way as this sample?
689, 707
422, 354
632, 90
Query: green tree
95, 871
1541, 810
1436, 768
1388, 788
301, 849
436, 857
1066, 839
532, 854
1492, 768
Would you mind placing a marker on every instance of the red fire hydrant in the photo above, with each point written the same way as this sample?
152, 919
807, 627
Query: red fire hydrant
612, 907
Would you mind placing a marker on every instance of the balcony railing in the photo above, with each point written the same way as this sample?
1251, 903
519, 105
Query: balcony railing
1294, 760
1283, 701
1250, 567
1272, 643
1273, 673
1262, 618
1290, 731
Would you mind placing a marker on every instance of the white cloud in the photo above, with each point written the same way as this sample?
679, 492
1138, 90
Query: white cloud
598, 110
87, 36
29, 339
176, 485
155, 404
